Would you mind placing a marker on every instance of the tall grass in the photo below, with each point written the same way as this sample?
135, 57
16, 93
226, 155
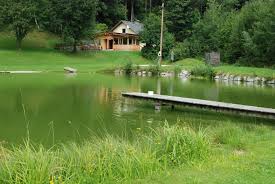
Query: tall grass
118, 160
110, 159
203, 71
232, 135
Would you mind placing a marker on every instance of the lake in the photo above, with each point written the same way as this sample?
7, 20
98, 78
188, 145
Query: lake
53, 108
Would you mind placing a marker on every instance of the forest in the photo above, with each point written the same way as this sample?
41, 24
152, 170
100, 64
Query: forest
243, 31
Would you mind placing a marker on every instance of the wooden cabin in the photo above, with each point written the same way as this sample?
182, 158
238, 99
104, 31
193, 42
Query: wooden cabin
124, 36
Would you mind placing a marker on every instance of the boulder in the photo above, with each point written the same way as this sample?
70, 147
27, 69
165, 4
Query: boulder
70, 70
217, 77
225, 77
250, 79
231, 77
271, 81
237, 78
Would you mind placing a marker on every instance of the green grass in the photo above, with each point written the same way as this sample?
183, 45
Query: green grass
190, 64
246, 156
104, 160
168, 154
38, 54
55, 61
246, 71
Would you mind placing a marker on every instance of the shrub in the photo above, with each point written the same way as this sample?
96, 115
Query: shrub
203, 71
155, 69
179, 145
177, 69
128, 68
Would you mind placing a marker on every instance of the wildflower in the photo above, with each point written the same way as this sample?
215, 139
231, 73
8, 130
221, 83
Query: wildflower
51, 180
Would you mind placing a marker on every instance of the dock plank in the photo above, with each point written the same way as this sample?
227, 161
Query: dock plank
174, 100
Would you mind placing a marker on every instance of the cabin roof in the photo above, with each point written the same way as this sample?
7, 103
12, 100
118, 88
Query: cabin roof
137, 27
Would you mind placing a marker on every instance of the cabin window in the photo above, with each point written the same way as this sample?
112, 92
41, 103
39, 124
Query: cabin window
120, 41
116, 41
125, 40
130, 41
123, 30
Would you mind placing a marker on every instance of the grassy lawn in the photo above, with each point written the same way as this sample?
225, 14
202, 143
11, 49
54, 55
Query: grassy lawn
37, 54
175, 154
189, 64
237, 152
244, 157
55, 61
246, 71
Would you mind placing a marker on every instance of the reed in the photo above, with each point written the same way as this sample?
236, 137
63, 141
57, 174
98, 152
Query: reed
104, 160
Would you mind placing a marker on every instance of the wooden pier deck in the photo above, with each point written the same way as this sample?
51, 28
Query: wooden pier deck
214, 105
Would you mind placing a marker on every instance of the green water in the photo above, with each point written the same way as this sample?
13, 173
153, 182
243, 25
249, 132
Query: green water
53, 108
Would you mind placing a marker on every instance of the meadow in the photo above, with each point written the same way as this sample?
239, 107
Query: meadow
166, 154
228, 150
38, 54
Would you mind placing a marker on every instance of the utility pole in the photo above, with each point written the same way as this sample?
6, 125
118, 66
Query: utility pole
161, 34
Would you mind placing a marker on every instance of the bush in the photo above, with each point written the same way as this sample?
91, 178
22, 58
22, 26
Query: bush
155, 69
179, 145
177, 69
181, 51
128, 68
203, 71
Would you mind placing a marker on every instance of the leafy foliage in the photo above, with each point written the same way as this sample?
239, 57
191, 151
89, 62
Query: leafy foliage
151, 36
19, 16
181, 15
244, 36
72, 19
203, 71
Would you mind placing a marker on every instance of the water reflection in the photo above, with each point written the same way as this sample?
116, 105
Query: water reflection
75, 107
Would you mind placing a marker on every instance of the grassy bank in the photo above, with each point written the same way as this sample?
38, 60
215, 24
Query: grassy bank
191, 64
104, 160
175, 154
50, 61
38, 54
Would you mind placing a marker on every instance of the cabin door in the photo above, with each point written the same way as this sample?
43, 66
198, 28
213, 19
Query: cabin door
111, 42
106, 44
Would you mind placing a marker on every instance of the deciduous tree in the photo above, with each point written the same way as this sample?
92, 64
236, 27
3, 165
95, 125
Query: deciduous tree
19, 16
151, 36
73, 20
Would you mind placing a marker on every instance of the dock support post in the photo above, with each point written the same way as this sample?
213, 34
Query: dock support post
173, 107
158, 106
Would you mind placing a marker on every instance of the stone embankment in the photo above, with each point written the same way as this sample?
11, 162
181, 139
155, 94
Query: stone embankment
246, 79
184, 74
144, 73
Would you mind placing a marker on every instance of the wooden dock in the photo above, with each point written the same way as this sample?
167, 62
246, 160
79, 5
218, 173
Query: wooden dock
214, 105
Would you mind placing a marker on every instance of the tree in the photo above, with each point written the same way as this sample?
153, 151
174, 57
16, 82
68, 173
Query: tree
151, 36
111, 12
73, 20
252, 41
181, 15
19, 16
